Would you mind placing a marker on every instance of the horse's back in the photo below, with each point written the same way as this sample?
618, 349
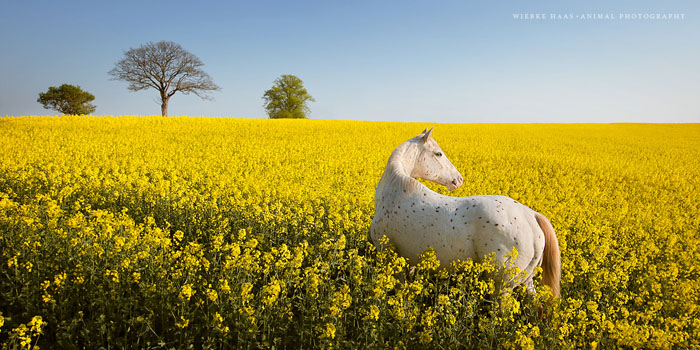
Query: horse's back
503, 223
460, 228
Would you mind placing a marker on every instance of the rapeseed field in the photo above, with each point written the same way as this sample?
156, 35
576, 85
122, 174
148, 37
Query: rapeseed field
153, 232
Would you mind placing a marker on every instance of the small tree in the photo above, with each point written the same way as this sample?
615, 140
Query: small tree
67, 99
166, 67
287, 98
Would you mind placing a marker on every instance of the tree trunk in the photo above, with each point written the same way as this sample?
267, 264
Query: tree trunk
164, 107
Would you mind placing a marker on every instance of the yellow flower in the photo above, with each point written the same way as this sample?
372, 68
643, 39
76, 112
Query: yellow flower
250, 211
186, 291
12, 261
245, 292
183, 322
212, 295
252, 243
59, 279
46, 296
429, 261
374, 312
341, 301
224, 286
113, 274
425, 337
271, 291
36, 324
329, 332
218, 320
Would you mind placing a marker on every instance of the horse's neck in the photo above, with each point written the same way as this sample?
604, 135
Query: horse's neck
397, 175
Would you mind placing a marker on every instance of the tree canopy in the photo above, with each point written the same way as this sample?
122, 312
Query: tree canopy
166, 67
67, 99
287, 98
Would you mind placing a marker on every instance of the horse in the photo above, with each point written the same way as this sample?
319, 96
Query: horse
414, 218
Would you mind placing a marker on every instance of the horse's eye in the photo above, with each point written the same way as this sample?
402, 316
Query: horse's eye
439, 154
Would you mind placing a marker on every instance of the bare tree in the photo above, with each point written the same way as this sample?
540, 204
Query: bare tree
166, 67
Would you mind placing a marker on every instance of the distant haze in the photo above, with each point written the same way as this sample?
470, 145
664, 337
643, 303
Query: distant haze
442, 61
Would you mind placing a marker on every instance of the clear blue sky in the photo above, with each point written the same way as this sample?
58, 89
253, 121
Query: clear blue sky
432, 61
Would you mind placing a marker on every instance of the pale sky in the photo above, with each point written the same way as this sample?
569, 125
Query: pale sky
432, 61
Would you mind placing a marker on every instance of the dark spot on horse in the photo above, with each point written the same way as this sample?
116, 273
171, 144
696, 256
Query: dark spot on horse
483, 226
399, 207
499, 249
479, 217
496, 224
453, 227
488, 222
450, 220
424, 194
474, 205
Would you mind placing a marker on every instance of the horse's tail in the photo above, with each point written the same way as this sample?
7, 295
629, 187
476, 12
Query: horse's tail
551, 259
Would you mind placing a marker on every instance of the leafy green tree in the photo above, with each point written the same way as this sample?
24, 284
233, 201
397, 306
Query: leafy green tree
287, 98
67, 99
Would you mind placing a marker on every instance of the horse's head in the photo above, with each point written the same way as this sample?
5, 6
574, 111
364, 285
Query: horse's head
432, 164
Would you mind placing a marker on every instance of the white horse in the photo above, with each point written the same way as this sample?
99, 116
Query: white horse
415, 218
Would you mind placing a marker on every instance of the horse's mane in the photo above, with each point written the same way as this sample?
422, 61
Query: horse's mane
396, 171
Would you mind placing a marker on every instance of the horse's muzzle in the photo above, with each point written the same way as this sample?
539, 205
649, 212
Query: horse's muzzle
456, 183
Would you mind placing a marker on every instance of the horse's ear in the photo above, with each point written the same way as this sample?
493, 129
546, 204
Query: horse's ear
428, 134
422, 133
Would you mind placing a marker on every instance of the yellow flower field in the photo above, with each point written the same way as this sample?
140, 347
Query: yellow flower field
152, 232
